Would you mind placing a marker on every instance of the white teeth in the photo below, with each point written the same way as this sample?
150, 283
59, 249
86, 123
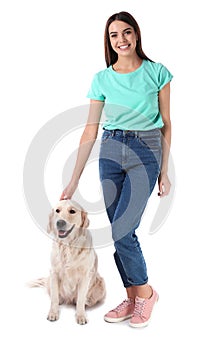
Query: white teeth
123, 47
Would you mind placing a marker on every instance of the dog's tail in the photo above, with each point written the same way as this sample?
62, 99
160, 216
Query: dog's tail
40, 282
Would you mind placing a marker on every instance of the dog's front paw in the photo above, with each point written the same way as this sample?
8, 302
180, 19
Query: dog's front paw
81, 319
53, 316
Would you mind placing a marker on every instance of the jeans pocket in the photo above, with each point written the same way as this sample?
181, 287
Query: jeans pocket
151, 141
105, 137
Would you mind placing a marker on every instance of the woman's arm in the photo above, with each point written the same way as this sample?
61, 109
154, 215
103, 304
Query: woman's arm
86, 144
164, 106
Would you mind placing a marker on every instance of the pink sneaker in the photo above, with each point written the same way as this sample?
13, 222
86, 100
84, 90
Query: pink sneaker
142, 311
121, 312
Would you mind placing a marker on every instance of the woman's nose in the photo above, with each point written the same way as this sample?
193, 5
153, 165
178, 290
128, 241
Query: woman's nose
121, 37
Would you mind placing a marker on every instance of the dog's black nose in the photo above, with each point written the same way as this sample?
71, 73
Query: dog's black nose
61, 223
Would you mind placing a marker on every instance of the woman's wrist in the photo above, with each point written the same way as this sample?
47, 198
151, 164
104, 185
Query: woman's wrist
164, 171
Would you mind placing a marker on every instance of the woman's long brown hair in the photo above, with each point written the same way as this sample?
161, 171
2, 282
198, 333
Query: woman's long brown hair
111, 56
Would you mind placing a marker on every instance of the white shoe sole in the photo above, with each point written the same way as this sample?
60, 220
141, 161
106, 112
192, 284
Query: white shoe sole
140, 325
115, 320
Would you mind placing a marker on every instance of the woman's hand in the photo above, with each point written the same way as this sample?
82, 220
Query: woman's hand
69, 190
164, 185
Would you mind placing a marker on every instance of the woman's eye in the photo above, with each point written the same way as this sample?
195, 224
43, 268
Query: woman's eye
113, 35
128, 32
72, 211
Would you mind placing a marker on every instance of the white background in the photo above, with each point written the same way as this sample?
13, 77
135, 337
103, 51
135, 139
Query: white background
49, 53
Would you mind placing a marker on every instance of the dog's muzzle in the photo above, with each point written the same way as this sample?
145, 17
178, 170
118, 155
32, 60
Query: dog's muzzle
63, 230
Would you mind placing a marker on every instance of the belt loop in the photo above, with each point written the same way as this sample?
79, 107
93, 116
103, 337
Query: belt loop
136, 134
113, 133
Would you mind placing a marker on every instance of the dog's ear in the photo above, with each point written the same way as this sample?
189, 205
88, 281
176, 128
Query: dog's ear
50, 222
85, 220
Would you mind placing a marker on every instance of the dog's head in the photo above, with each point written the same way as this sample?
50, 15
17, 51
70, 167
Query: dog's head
65, 217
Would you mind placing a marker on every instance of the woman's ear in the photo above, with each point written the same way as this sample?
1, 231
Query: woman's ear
85, 220
50, 222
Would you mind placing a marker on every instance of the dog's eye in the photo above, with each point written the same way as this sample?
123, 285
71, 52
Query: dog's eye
57, 210
72, 211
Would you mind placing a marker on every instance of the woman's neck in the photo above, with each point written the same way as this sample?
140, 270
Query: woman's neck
127, 64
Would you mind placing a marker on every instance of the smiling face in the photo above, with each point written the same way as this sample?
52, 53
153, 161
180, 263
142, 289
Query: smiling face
122, 38
65, 217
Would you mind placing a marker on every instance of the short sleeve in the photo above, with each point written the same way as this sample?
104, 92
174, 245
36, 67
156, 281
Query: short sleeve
95, 92
164, 77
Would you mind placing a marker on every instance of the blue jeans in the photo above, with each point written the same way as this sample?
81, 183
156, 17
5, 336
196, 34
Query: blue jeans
129, 165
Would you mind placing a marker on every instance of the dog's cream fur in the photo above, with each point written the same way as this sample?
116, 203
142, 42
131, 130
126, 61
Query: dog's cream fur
74, 277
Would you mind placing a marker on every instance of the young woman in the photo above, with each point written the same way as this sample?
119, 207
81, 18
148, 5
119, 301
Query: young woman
134, 92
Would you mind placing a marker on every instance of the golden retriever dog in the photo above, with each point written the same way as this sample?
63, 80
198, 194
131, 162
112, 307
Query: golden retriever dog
74, 278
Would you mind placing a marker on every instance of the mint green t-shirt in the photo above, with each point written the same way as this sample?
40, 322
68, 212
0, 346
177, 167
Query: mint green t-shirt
131, 99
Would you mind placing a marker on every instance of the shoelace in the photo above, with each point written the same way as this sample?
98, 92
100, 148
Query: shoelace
139, 307
122, 306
